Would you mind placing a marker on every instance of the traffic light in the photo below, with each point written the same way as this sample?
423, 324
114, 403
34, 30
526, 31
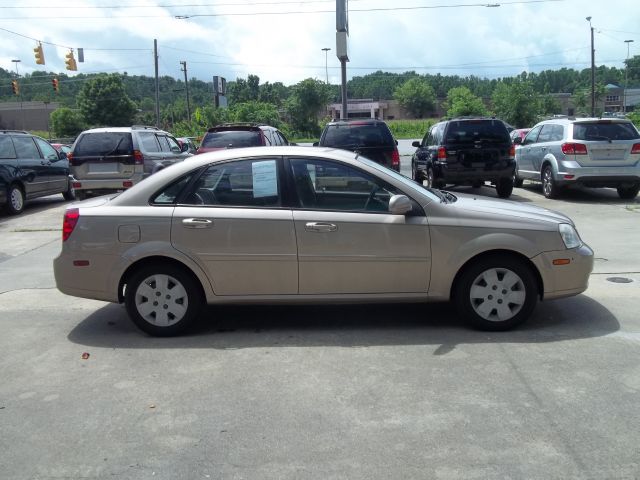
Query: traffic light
70, 62
15, 87
54, 83
39, 54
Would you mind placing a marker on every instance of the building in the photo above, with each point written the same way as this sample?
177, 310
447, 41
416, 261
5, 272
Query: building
26, 115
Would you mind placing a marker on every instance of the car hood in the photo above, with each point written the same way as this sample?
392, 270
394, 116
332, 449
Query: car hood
482, 208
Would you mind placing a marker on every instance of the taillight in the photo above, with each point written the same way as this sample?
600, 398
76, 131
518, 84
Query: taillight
137, 157
574, 149
71, 217
512, 152
635, 149
442, 153
70, 158
395, 159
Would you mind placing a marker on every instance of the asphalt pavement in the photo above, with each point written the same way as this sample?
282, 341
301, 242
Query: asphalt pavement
330, 392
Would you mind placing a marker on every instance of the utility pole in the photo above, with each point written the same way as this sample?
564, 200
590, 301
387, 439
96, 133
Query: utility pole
155, 58
593, 72
626, 78
342, 40
186, 87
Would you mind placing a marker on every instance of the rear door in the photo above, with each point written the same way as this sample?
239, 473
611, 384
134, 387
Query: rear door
103, 155
33, 170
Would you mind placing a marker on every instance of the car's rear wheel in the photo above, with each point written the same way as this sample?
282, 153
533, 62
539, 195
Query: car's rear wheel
163, 300
504, 187
549, 186
477, 184
629, 193
15, 200
70, 193
429, 177
517, 181
496, 293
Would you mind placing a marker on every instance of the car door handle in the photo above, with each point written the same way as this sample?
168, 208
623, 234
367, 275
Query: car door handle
197, 223
320, 227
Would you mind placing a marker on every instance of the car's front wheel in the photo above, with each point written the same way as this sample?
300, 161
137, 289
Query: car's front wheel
163, 300
429, 177
15, 200
416, 174
496, 293
629, 193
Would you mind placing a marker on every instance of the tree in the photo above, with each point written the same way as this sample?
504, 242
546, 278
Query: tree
416, 96
516, 103
308, 98
66, 122
461, 102
258, 112
104, 101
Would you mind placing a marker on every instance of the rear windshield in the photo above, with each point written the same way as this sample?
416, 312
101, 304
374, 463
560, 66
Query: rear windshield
470, 131
231, 139
104, 144
354, 135
604, 131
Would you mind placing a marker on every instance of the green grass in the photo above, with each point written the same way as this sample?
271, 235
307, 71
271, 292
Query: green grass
407, 129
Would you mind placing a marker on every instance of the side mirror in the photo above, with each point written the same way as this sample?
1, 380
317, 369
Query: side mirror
416, 144
184, 147
517, 141
315, 144
62, 156
399, 205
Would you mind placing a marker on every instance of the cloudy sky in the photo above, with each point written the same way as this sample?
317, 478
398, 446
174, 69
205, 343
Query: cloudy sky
282, 40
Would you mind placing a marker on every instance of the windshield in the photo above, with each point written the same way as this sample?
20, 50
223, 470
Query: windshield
604, 131
104, 144
231, 138
470, 131
405, 181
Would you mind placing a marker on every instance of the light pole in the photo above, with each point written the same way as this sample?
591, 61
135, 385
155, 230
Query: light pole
18, 76
626, 78
326, 69
593, 72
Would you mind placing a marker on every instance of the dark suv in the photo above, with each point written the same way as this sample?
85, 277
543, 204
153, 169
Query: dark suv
237, 135
29, 168
368, 137
466, 151
105, 160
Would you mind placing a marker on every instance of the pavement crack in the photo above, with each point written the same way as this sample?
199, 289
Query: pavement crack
28, 288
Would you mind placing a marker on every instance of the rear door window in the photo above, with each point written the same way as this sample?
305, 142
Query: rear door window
231, 139
149, 142
104, 144
26, 147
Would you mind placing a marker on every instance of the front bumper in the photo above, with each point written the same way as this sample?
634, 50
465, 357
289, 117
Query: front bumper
565, 280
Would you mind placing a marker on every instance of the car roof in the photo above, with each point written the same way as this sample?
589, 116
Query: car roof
357, 121
124, 129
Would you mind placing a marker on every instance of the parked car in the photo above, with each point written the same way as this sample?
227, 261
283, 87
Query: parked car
519, 133
466, 151
588, 152
191, 148
238, 135
368, 137
106, 160
299, 224
30, 168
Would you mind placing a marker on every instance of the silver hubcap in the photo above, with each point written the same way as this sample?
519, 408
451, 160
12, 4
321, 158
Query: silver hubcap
547, 181
17, 201
430, 178
162, 300
497, 294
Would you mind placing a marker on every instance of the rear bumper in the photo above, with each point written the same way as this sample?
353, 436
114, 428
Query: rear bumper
598, 176
452, 173
105, 185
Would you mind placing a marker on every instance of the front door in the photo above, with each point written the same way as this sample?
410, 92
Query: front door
232, 223
348, 242
33, 170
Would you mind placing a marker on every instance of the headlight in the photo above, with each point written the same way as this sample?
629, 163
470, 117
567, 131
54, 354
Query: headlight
569, 235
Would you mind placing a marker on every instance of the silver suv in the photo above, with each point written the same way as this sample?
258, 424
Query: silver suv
590, 152
104, 160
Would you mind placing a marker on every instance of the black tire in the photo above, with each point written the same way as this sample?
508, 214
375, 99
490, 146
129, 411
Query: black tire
429, 178
80, 195
70, 193
496, 293
629, 193
504, 187
517, 181
477, 184
416, 174
550, 188
175, 287
15, 200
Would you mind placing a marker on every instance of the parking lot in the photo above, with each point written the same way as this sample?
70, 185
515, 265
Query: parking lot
357, 392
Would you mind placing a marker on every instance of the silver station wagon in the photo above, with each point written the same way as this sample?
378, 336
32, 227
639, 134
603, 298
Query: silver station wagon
303, 224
